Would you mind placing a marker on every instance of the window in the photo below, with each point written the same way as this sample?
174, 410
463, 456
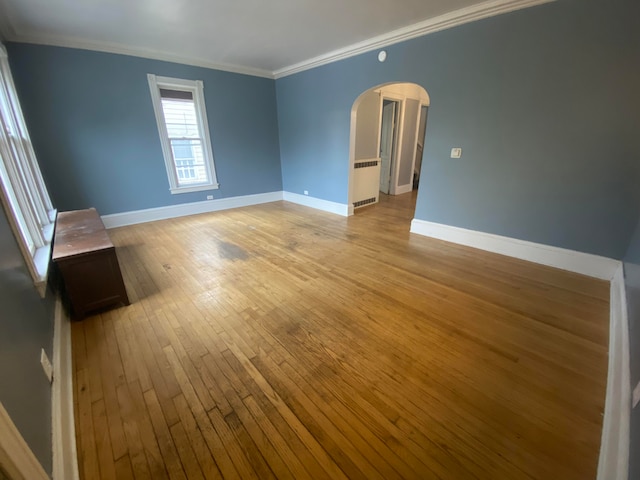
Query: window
23, 193
184, 133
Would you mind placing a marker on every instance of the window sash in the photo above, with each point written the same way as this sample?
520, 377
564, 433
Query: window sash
13, 204
19, 197
196, 162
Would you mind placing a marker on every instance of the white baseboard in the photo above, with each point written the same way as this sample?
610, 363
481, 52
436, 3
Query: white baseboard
318, 203
614, 448
404, 189
65, 457
183, 209
172, 211
571, 260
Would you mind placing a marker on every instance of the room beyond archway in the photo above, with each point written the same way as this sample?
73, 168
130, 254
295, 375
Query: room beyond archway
388, 124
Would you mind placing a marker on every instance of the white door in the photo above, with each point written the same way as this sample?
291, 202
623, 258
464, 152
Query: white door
386, 144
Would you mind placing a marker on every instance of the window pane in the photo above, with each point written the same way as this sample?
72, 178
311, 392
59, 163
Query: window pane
188, 157
182, 149
180, 118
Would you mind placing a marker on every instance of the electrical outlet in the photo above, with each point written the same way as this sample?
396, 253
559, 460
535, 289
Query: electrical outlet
209, 197
46, 365
636, 395
456, 152
306, 192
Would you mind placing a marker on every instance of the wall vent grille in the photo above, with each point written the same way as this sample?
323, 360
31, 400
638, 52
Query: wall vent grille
362, 203
372, 163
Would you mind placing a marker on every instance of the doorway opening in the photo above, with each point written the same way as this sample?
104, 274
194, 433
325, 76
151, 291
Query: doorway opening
388, 126
388, 142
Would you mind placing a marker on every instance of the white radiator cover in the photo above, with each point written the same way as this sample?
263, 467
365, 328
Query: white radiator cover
366, 180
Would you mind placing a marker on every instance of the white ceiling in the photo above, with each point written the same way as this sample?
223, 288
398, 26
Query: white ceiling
257, 36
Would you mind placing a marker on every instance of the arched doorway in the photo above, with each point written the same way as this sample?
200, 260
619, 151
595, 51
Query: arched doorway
388, 124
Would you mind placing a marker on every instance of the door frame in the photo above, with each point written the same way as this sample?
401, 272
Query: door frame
16, 457
397, 140
415, 148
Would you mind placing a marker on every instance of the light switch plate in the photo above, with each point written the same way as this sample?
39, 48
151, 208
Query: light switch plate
456, 152
636, 395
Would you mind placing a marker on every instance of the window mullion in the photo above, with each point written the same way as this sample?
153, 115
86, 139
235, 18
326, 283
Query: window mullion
38, 195
36, 177
23, 168
199, 139
12, 204
33, 229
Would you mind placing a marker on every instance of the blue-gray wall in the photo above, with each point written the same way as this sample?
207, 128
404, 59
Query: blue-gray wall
632, 280
543, 101
92, 124
26, 326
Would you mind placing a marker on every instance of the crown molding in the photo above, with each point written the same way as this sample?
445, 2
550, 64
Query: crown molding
491, 8
472, 13
71, 42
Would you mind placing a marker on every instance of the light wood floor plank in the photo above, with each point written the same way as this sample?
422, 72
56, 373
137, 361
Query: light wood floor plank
104, 445
196, 440
185, 451
250, 449
162, 433
88, 459
113, 376
236, 454
124, 471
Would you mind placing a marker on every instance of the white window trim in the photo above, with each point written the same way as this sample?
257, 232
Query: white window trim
23, 193
196, 87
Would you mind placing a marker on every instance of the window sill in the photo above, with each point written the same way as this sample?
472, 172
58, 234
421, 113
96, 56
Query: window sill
195, 188
42, 257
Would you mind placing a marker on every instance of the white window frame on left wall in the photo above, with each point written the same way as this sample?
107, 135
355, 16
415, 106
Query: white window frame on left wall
23, 192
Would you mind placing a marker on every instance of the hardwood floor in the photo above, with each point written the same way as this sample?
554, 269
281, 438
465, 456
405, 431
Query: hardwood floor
278, 341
